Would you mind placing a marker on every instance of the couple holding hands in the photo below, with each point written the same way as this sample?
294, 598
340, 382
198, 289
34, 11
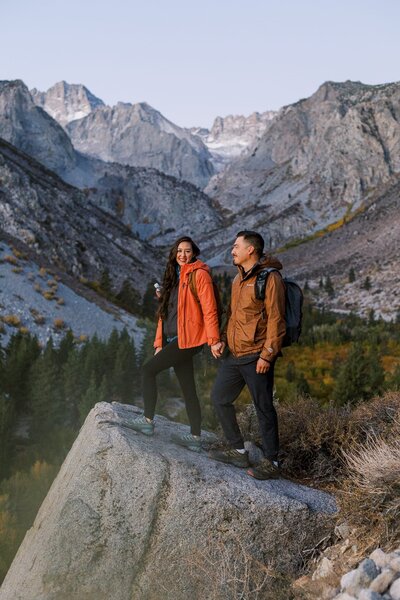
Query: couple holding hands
252, 338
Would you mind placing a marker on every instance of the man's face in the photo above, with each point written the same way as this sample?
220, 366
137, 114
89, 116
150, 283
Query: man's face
242, 251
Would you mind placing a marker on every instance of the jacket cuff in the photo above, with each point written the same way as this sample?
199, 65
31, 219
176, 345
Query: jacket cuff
212, 341
267, 353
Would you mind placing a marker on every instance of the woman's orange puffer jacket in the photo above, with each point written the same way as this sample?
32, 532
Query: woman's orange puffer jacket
197, 321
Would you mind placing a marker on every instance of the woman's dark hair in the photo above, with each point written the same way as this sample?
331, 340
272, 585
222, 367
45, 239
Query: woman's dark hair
170, 275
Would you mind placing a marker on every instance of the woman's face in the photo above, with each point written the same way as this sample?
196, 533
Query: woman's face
184, 253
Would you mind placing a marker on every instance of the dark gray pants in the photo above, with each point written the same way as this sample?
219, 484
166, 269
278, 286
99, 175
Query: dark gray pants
233, 375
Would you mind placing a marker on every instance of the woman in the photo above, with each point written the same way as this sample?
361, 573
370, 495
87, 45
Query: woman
185, 323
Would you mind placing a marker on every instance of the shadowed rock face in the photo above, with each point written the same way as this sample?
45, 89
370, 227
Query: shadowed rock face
57, 222
32, 130
135, 517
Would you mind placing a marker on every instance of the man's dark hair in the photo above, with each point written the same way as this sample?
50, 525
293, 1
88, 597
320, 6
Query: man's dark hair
255, 239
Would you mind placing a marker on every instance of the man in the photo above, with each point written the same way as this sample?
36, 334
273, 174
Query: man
254, 335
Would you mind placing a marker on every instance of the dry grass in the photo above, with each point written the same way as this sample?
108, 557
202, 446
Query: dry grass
48, 295
231, 571
370, 496
12, 320
59, 324
19, 254
10, 259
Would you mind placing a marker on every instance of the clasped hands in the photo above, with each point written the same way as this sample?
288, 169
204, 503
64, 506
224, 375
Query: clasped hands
217, 349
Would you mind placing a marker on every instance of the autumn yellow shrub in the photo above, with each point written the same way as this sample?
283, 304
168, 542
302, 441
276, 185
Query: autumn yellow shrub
59, 323
60, 301
42, 272
48, 295
10, 259
12, 320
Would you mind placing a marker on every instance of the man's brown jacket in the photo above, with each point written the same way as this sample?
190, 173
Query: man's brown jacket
257, 326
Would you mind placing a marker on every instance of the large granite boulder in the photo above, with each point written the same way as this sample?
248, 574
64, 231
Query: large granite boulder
136, 518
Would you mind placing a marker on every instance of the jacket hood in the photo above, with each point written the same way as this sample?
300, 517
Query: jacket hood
269, 262
266, 262
194, 266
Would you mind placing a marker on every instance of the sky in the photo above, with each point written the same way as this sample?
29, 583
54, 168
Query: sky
196, 60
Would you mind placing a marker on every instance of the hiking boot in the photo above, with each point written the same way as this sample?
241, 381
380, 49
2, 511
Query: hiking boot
141, 424
187, 440
265, 469
231, 456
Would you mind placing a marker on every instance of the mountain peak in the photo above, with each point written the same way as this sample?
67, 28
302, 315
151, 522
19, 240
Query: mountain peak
67, 102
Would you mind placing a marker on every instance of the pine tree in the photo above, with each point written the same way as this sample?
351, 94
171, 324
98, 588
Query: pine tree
66, 346
302, 386
7, 425
129, 299
75, 385
366, 285
150, 302
20, 355
125, 377
105, 282
352, 275
290, 372
95, 393
329, 287
46, 397
352, 381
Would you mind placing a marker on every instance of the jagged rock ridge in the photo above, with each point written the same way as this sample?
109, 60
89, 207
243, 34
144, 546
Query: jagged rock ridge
318, 159
152, 204
233, 135
138, 135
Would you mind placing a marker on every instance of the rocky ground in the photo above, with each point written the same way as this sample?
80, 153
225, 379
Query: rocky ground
36, 300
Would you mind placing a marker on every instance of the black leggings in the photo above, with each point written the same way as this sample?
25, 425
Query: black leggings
182, 361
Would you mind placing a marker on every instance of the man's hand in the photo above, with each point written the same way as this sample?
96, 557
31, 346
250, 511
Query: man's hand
217, 349
262, 366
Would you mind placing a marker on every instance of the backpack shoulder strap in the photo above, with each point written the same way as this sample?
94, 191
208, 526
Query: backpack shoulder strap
261, 281
193, 285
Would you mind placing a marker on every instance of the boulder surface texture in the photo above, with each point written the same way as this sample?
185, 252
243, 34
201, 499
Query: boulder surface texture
131, 517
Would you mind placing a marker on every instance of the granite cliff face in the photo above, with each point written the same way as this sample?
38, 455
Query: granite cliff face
66, 102
136, 517
32, 130
318, 160
138, 135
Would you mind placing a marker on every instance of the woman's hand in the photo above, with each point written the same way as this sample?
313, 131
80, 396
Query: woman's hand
217, 349
157, 350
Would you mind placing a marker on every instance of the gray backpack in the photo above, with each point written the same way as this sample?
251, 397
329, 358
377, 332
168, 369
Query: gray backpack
294, 304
